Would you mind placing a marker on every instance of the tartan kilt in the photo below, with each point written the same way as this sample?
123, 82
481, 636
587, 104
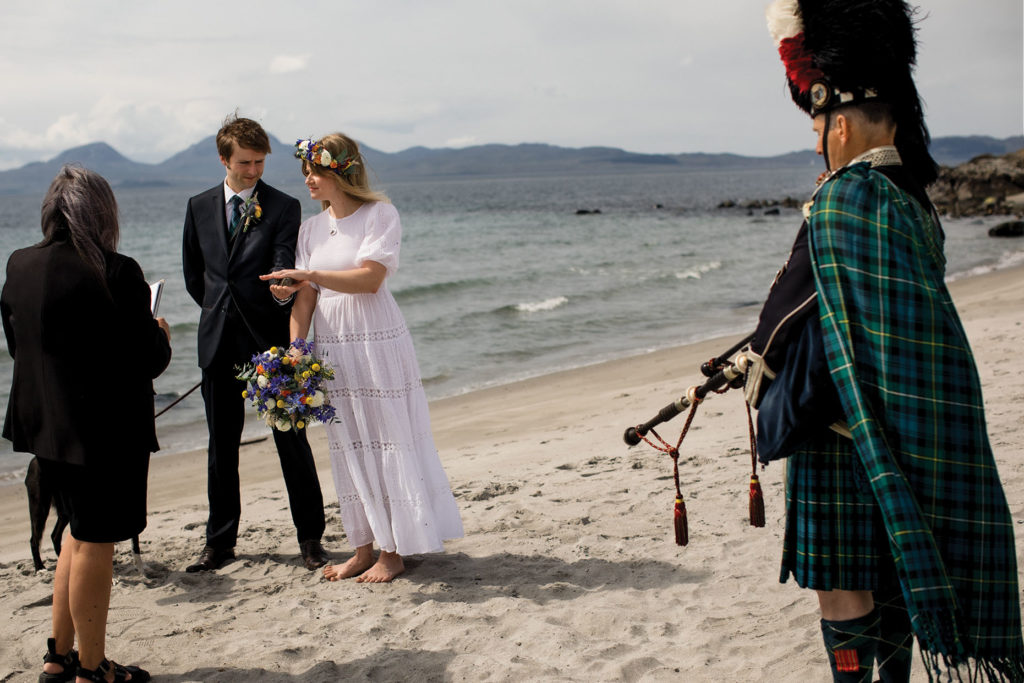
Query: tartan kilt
835, 538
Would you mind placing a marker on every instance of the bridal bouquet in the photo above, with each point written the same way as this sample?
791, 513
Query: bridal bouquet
285, 386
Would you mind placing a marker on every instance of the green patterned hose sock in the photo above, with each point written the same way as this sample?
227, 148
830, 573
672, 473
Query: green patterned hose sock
851, 646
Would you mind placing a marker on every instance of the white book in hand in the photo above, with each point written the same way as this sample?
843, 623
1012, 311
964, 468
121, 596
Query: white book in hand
155, 290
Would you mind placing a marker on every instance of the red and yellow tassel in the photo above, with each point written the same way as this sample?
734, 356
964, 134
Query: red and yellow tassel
756, 502
682, 531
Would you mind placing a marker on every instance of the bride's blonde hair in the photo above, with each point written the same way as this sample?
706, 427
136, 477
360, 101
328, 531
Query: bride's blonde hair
354, 180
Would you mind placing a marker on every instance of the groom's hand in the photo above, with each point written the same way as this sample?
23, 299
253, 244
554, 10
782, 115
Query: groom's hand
285, 283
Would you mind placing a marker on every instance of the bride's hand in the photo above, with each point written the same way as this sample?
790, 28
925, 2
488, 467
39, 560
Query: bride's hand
291, 273
286, 282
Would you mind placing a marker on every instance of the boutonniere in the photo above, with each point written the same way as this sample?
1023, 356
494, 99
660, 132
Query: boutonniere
252, 212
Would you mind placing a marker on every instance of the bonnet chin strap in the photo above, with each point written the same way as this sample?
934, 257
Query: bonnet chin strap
824, 141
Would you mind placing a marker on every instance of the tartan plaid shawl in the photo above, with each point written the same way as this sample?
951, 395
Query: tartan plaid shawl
903, 368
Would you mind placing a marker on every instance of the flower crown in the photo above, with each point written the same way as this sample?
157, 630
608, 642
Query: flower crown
316, 153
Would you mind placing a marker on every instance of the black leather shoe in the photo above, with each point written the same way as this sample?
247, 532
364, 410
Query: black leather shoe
211, 558
313, 554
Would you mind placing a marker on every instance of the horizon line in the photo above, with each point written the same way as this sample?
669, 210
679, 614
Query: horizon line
487, 144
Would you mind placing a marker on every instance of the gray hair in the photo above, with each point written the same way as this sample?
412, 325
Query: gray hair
80, 206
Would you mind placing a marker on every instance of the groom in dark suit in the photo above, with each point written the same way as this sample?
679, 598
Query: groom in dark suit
234, 233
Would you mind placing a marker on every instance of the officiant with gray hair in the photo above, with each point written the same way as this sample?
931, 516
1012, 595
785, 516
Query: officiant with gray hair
86, 348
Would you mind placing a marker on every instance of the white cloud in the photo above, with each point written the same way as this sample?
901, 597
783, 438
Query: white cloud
464, 141
647, 76
283, 64
142, 131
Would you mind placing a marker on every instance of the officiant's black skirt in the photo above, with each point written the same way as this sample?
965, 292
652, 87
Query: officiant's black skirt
103, 503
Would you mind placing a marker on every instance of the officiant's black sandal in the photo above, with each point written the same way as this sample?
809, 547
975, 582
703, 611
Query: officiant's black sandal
69, 661
121, 673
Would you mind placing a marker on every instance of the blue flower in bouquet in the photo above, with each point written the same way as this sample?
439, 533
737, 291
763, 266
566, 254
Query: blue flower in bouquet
286, 386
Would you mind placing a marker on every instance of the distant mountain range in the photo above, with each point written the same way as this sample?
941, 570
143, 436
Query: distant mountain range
198, 167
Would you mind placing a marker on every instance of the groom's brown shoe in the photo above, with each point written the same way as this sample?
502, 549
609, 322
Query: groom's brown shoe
211, 558
313, 554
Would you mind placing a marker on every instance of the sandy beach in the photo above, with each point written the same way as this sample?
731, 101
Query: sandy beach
568, 571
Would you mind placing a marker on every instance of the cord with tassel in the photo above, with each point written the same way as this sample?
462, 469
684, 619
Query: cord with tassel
679, 521
756, 495
679, 509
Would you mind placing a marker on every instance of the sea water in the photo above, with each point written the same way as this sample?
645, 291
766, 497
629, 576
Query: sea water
502, 279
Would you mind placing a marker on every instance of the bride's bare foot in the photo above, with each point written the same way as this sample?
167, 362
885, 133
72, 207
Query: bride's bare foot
355, 565
388, 566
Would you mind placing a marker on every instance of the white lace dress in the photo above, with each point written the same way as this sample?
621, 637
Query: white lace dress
390, 483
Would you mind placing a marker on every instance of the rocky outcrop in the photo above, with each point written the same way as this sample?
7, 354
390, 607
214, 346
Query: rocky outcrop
786, 202
1007, 229
986, 185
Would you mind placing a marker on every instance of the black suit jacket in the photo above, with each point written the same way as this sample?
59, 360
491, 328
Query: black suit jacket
222, 276
85, 356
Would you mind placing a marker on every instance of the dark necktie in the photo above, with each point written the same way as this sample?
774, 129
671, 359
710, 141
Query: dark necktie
236, 214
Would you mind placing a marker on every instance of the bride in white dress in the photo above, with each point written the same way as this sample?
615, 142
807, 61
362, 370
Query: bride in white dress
390, 483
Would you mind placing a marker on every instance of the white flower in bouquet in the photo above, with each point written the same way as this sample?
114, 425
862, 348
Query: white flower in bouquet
316, 400
283, 425
262, 381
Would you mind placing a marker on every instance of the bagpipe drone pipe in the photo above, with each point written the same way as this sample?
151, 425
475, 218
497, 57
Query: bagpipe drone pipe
723, 372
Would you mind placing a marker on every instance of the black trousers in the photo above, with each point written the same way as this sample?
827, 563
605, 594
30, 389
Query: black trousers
225, 418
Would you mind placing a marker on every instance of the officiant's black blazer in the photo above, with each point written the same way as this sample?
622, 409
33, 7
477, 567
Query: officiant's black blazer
85, 356
221, 274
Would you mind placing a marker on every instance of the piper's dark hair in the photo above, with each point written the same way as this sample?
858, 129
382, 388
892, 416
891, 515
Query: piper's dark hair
860, 44
243, 132
871, 112
80, 207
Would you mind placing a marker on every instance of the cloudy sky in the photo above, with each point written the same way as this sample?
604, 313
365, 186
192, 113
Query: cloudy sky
151, 78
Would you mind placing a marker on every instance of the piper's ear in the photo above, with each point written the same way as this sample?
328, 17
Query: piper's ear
840, 126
